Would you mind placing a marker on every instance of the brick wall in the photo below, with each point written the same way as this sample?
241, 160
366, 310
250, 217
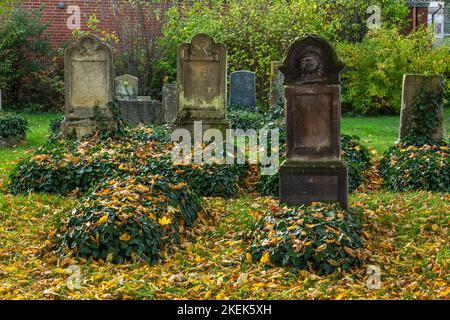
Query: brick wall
58, 31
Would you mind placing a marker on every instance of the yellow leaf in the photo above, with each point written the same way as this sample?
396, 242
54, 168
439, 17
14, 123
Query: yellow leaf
179, 186
164, 221
103, 219
248, 257
265, 257
125, 237
357, 148
207, 295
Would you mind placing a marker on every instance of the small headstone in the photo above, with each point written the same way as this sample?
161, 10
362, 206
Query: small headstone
127, 87
201, 84
276, 84
313, 170
242, 89
89, 83
170, 101
412, 85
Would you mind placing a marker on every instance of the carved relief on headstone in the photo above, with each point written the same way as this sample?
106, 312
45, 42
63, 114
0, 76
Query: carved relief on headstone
201, 83
89, 85
313, 170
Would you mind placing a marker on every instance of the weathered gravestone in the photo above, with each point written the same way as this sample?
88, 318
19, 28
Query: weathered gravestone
89, 85
170, 101
313, 170
242, 89
201, 84
413, 84
127, 87
141, 110
276, 84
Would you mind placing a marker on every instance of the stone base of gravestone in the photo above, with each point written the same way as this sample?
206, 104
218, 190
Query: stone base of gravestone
6, 142
306, 182
142, 111
412, 84
85, 127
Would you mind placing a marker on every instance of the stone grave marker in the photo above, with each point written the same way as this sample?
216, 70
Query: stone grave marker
242, 89
89, 86
276, 85
201, 84
142, 110
127, 87
412, 85
313, 170
170, 101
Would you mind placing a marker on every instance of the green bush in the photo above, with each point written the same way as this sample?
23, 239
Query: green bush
29, 76
65, 166
320, 237
245, 120
407, 167
257, 32
12, 125
372, 79
353, 153
135, 217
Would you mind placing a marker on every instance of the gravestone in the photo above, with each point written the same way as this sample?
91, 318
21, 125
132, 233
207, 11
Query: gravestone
412, 85
170, 101
201, 84
276, 84
242, 89
89, 86
313, 170
142, 110
127, 87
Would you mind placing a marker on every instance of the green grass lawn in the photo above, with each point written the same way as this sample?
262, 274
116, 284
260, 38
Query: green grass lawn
37, 135
379, 133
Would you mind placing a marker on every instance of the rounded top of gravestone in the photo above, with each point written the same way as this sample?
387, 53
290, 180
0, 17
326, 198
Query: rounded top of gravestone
127, 77
202, 46
311, 60
242, 72
88, 45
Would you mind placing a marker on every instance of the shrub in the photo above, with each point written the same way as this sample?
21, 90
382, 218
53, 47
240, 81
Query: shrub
65, 166
13, 125
320, 237
29, 77
407, 167
257, 32
352, 152
372, 79
135, 217
245, 120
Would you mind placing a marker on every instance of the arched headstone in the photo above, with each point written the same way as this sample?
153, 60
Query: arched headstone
313, 170
89, 85
201, 83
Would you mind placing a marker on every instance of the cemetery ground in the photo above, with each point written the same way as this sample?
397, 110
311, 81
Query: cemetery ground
405, 233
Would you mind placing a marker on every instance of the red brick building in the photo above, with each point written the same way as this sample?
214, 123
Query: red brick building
56, 13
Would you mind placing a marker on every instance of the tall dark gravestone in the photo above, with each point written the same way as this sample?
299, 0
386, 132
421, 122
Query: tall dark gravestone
313, 170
